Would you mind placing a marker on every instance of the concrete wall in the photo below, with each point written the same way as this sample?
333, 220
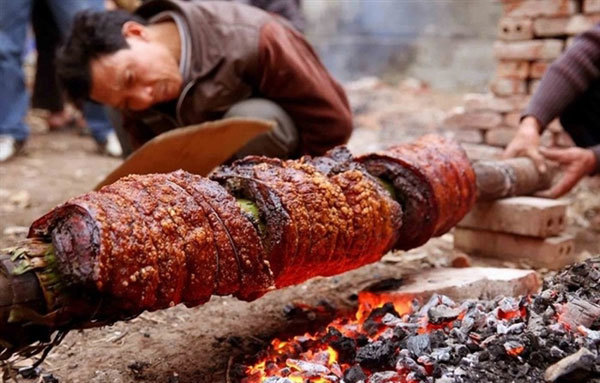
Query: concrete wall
447, 43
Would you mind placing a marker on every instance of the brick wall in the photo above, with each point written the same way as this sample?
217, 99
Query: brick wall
531, 34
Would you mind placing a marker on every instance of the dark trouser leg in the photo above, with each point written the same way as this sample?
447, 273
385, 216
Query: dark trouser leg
47, 92
581, 119
282, 142
64, 12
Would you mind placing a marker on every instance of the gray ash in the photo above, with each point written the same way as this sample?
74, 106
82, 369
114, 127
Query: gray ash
553, 336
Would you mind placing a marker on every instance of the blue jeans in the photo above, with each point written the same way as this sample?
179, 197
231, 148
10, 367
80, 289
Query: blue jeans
14, 100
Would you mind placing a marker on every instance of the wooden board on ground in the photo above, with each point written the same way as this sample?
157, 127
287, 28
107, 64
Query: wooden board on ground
197, 149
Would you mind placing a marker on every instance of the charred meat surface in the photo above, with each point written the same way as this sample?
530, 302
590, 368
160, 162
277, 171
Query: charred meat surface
157, 240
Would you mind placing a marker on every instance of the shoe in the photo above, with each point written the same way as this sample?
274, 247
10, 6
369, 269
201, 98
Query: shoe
9, 147
112, 146
61, 121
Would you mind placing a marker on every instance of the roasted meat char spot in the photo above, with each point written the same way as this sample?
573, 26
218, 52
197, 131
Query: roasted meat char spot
280, 237
268, 174
319, 196
443, 178
228, 277
80, 262
76, 237
131, 193
202, 262
162, 203
127, 257
255, 274
414, 194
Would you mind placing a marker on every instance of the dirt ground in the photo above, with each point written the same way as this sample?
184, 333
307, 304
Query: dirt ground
196, 345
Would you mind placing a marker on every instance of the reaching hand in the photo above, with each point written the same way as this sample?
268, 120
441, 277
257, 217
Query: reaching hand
575, 162
526, 143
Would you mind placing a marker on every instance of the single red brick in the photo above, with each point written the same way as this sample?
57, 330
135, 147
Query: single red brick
487, 102
512, 69
512, 119
536, 8
562, 26
543, 49
500, 136
581, 23
551, 252
508, 86
531, 216
480, 120
515, 28
591, 6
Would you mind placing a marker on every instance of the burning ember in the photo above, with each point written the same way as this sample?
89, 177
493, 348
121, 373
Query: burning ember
394, 339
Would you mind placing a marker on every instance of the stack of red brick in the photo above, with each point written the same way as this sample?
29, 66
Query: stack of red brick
531, 34
521, 230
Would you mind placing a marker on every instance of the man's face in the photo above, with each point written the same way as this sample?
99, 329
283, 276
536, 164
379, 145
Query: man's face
136, 78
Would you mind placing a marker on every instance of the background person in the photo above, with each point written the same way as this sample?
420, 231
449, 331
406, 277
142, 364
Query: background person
14, 99
569, 90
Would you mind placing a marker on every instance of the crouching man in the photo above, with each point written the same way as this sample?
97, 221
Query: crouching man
177, 63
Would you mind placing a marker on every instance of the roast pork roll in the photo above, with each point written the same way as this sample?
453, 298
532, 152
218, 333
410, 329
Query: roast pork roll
152, 241
274, 184
280, 236
228, 273
170, 263
256, 277
440, 174
143, 229
132, 278
374, 217
412, 191
82, 239
434, 181
328, 222
203, 269
185, 224
466, 174
450, 173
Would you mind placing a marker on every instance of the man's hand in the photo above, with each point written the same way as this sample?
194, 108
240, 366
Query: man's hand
526, 143
575, 162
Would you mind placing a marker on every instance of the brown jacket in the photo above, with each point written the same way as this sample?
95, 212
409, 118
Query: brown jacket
239, 52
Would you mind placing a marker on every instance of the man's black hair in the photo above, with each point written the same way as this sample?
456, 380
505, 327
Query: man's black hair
93, 34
